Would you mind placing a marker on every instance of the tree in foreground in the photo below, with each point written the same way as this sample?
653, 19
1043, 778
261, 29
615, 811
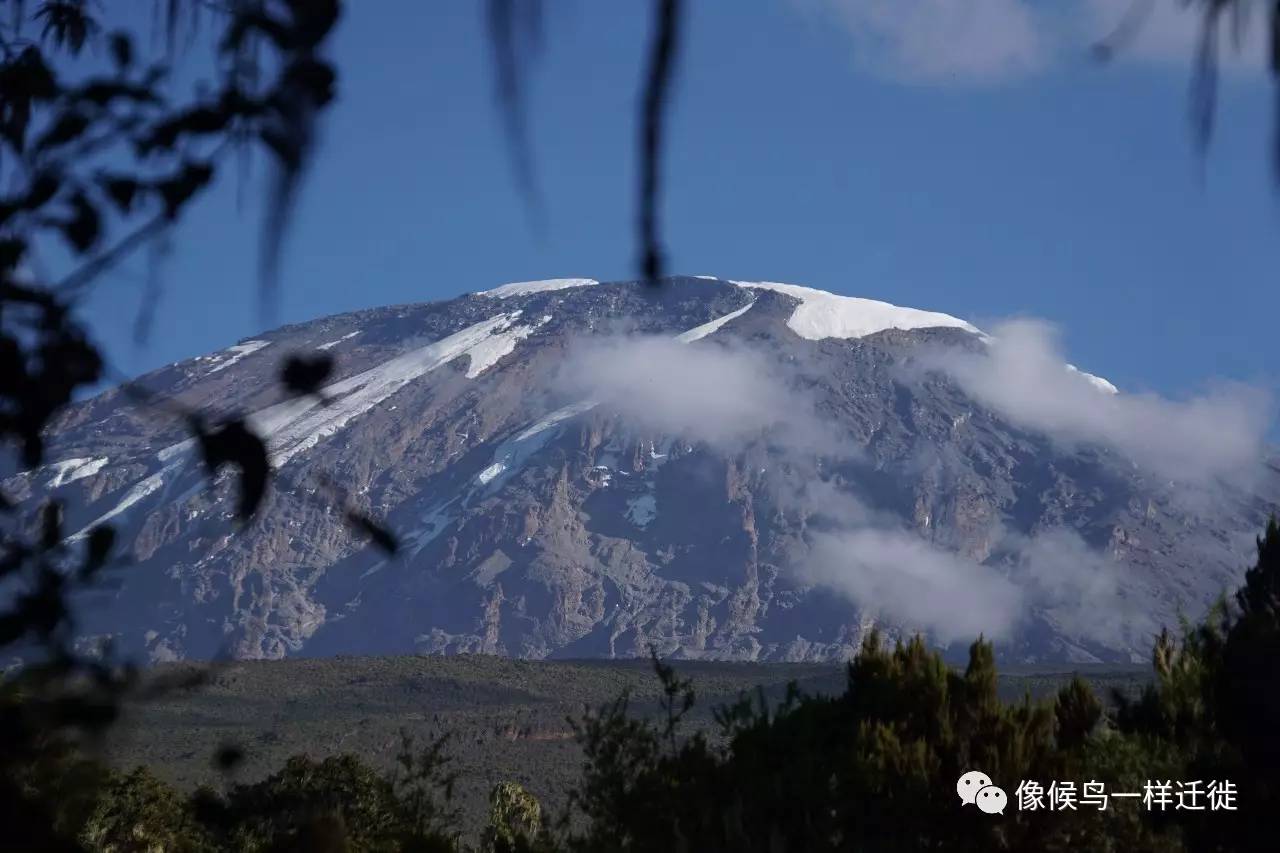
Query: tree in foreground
876, 767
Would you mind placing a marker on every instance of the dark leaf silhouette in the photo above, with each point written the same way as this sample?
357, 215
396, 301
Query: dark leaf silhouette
67, 23
304, 374
37, 382
228, 757
10, 253
32, 449
101, 93
44, 607
154, 288
25, 80
657, 92
121, 50
383, 538
1274, 25
198, 121
306, 85
120, 189
312, 80
1203, 92
69, 126
43, 189
51, 525
85, 225
1204, 78
98, 549
514, 34
233, 443
178, 190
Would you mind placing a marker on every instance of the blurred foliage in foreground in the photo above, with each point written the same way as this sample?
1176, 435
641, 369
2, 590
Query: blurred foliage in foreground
102, 164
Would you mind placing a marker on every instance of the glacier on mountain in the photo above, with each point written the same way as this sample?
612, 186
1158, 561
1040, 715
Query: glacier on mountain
828, 315
525, 288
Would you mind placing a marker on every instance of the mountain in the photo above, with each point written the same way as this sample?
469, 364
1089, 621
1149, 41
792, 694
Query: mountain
722, 470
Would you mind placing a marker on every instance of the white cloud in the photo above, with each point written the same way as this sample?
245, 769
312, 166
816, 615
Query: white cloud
908, 582
958, 40
1022, 377
723, 394
912, 584
1083, 592
990, 41
729, 394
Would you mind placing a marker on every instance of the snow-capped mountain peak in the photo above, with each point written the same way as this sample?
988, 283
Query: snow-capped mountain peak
838, 492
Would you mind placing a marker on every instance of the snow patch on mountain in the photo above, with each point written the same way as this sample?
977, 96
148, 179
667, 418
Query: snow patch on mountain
524, 288
437, 519
167, 453
336, 341
70, 470
1096, 381
823, 315
238, 352
299, 424
512, 453
140, 490
642, 509
172, 459
487, 476
489, 351
699, 332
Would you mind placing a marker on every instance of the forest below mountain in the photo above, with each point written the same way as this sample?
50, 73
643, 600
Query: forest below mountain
505, 720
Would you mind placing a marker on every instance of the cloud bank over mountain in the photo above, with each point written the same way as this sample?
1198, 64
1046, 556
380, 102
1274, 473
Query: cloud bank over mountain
1219, 434
729, 394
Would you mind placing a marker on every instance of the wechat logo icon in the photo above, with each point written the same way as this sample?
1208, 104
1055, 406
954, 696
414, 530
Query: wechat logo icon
975, 788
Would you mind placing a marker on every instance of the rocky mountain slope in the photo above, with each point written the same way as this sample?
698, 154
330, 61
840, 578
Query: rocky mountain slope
723, 470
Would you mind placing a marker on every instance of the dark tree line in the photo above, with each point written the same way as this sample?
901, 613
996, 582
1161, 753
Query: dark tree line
876, 767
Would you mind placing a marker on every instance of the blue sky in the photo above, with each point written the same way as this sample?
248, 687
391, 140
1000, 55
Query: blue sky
981, 166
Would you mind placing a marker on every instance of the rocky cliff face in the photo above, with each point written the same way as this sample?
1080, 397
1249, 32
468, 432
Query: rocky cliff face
582, 469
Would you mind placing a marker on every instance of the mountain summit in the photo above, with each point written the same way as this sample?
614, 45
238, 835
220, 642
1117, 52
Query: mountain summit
733, 470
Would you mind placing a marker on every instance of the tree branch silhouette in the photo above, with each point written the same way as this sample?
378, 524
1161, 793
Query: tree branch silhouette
654, 107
